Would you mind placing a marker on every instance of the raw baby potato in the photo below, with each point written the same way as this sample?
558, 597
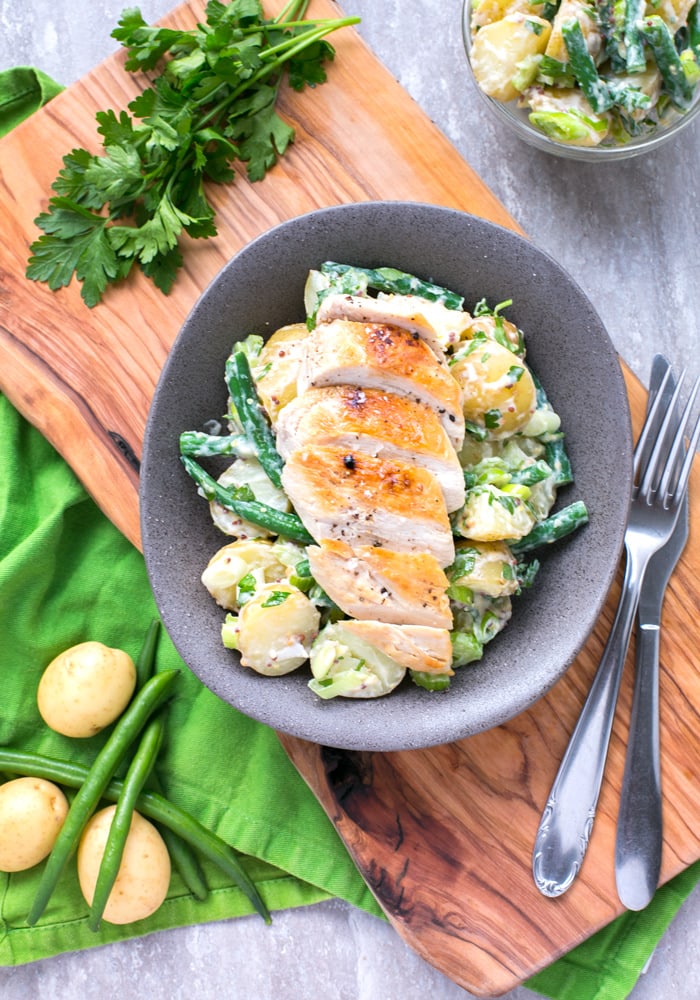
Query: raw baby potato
85, 688
144, 874
32, 812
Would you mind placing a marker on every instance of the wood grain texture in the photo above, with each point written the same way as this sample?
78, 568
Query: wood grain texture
83, 376
443, 836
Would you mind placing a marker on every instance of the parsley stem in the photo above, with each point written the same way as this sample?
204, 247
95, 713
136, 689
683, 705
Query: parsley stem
295, 8
297, 43
289, 49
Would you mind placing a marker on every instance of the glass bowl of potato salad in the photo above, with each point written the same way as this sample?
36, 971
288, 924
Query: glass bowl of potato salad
587, 79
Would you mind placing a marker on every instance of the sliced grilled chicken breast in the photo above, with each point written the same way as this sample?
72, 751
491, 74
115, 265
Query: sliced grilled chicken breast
380, 356
437, 325
378, 423
367, 500
376, 583
416, 647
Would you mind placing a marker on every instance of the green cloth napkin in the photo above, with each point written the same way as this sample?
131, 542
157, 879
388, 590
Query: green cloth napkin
22, 91
66, 575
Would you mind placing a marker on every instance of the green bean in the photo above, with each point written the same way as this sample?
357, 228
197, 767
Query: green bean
558, 461
277, 521
535, 472
251, 414
660, 39
28, 763
146, 659
150, 804
694, 29
181, 853
583, 67
141, 766
388, 279
125, 731
212, 847
555, 454
635, 60
145, 663
203, 445
557, 526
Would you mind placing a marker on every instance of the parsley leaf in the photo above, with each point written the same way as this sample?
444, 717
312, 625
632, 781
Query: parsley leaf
74, 240
211, 105
163, 268
72, 183
261, 134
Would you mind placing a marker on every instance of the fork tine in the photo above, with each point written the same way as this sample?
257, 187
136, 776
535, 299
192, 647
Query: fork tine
649, 432
657, 384
665, 439
681, 486
677, 452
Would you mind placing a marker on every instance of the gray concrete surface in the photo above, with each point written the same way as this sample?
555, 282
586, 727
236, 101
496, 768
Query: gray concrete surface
628, 233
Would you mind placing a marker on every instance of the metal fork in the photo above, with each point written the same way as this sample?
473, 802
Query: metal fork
661, 481
639, 842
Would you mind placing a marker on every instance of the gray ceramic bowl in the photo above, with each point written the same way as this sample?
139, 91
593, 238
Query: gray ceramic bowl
568, 347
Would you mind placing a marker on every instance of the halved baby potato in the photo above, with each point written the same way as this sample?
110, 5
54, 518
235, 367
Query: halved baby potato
504, 53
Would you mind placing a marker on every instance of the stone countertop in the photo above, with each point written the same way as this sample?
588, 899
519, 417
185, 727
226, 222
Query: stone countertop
628, 234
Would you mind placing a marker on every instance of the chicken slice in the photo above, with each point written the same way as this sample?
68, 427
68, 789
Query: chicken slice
437, 325
381, 356
365, 500
374, 583
378, 423
416, 647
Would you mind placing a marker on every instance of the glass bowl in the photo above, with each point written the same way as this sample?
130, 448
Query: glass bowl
517, 118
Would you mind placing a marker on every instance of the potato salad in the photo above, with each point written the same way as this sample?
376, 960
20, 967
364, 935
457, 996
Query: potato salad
588, 73
384, 475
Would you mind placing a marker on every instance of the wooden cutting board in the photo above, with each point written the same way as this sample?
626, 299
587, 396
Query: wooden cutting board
443, 836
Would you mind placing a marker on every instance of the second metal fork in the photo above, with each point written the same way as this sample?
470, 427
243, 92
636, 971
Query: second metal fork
661, 482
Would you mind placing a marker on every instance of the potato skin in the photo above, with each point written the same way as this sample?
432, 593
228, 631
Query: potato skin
279, 360
489, 389
32, 812
144, 874
85, 688
275, 639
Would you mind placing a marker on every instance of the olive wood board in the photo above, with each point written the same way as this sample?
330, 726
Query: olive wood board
442, 836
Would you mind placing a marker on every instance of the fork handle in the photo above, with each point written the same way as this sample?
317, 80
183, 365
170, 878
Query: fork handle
567, 820
639, 826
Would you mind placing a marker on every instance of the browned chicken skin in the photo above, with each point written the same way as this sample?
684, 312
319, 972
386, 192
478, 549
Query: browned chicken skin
375, 583
363, 500
376, 422
435, 324
380, 356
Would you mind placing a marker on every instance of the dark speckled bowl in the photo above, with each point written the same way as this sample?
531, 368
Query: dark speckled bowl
260, 290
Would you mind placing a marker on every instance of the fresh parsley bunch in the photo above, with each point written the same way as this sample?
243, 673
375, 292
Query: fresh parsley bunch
213, 104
